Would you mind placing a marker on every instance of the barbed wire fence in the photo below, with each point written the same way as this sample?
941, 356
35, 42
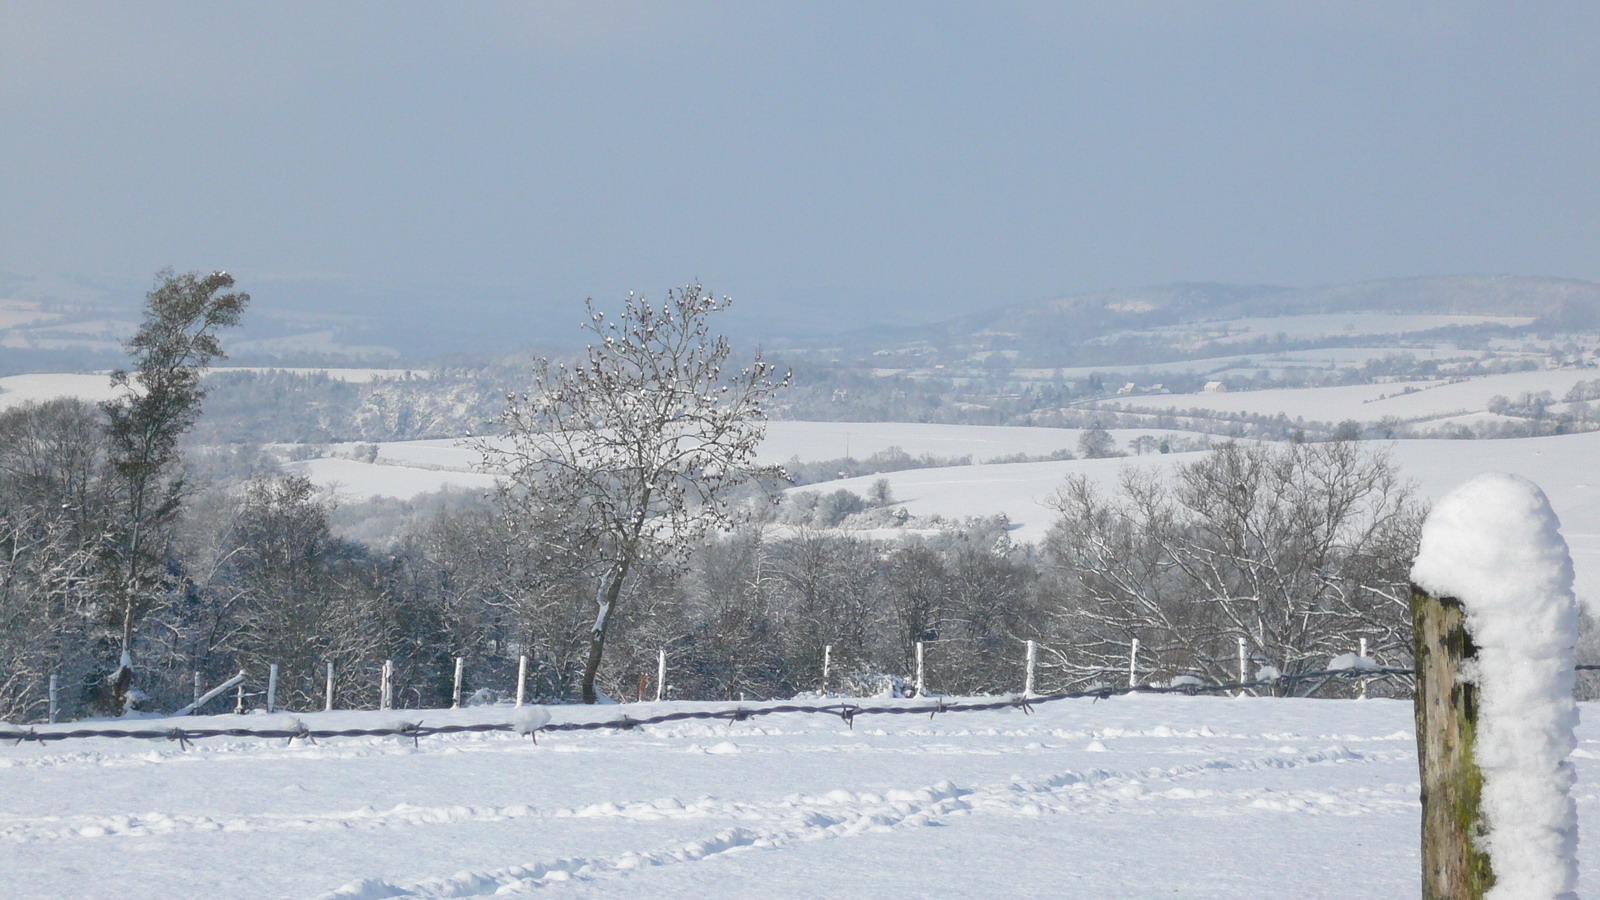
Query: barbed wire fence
1087, 682
531, 726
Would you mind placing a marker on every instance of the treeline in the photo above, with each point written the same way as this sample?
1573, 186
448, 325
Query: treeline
1300, 550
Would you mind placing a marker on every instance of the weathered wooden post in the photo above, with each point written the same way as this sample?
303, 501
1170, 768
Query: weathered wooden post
327, 691
1133, 663
386, 686
53, 705
1447, 718
272, 687
827, 660
1495, 625
455, 692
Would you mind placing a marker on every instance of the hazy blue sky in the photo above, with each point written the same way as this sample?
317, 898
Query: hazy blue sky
888, 160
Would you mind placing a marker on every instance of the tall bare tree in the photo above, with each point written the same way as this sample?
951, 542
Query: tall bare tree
638, 448
174, 344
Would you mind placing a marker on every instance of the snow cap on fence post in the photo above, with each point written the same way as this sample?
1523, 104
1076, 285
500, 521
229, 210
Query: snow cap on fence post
1495, 545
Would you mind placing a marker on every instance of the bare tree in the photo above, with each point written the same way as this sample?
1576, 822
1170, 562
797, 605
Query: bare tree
637, 449
1299, 550
53, 508
172, 348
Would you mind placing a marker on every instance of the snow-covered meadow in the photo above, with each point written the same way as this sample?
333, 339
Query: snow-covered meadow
1132, 797
1415, 401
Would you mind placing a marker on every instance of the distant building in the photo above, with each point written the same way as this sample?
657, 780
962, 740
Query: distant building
1128, 388
1216, 387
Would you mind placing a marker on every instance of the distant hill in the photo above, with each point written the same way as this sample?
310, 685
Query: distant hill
1160, 323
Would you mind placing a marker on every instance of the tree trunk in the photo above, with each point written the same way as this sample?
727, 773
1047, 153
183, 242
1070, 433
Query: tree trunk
597, 635
1453, 867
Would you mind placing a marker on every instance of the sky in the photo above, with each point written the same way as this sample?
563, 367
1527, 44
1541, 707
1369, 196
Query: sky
826, 164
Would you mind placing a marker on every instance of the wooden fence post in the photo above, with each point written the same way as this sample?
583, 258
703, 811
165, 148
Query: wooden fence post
522, 678
1361, 683
1447, 717
53, 706
1133, 663
272, 686
386, 686
1244, 670
455, 692
827, 659
327, 691
920, 681
661, 674
1027, 678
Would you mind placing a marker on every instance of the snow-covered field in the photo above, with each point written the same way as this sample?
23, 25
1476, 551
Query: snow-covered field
1134, 797
1321, 325
1409, 401
94, 387
405, 469
1564, 467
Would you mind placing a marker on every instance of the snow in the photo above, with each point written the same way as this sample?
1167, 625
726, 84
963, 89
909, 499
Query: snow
351, 478
1346, 661
1313, 326
95, 387
1564, 466
1407, 401
1135, 797
16, 390
1495, 544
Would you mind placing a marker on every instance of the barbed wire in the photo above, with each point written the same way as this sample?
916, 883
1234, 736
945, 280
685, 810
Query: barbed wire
846, 712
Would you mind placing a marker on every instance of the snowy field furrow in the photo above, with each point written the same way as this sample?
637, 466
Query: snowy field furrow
1130, 797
